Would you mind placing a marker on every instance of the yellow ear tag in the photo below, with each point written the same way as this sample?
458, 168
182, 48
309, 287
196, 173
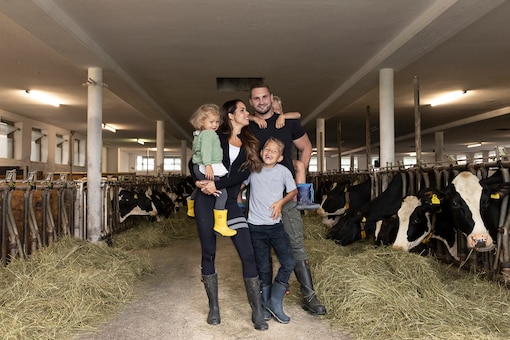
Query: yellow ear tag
364, 219
435, 200
427, 239
495, 196
363, 234
136, 196
345, 189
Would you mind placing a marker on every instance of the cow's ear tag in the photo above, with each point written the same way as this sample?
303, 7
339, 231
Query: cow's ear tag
345, 189
435, 200
495, 196
364, 220
136, 196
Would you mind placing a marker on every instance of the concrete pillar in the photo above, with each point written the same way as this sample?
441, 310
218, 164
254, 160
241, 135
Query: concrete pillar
184, 158
485, 156
160, 147
386, 117
94, 152
439, 146
320, 140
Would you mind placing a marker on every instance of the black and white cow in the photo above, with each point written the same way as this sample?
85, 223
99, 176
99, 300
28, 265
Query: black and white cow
341, 198
469, 205
358, 223
413, 222
132, 202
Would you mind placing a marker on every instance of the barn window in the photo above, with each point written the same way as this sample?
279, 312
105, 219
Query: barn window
172, 164
346, 163
39, 145
144, 163
61, 149
7, 137
312, 167
78, 152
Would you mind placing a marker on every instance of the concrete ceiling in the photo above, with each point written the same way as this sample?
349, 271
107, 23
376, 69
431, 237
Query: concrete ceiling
161, 59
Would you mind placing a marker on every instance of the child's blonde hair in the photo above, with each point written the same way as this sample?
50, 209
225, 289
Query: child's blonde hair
278, 100
201, 114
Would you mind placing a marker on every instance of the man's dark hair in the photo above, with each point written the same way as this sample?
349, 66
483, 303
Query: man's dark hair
259, 84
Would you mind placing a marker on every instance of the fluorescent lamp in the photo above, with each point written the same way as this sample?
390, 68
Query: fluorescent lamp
475, 145
447, 98
42, 97
140, 141
109, 128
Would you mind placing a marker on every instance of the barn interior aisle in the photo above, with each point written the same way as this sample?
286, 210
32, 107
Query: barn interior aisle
172, 304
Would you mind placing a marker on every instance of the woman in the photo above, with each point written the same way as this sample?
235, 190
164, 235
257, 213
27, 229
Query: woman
240, 156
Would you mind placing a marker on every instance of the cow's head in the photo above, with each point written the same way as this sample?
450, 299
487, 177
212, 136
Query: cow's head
465, 197
348, 229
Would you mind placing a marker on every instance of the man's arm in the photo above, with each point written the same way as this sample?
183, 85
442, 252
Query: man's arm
304, 146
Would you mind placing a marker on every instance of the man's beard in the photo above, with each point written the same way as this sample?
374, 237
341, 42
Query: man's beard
265, 111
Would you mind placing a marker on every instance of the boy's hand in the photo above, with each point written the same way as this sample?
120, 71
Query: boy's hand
276, 208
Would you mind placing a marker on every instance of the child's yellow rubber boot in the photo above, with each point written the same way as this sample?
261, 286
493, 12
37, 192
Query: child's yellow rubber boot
220, 223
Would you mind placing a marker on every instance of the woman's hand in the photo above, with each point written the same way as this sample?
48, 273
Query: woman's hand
208, 187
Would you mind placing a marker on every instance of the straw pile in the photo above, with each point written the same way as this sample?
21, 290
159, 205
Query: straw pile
381, 293
147, 235
66, 287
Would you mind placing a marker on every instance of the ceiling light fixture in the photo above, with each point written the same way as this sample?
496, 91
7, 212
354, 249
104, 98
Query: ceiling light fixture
475, 145
109, 128
140, 141
449, 97
42, 97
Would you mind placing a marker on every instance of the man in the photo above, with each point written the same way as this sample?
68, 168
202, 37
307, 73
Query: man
292, 133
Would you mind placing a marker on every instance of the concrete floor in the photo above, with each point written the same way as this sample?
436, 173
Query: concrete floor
172, 303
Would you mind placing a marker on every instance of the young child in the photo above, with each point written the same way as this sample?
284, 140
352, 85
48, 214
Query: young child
207, 162
267, 198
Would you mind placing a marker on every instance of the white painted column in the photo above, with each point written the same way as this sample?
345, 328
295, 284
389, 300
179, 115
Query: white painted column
94, 152
439, 146
160, 146
320, 139
184, 158
485, 156
386, 117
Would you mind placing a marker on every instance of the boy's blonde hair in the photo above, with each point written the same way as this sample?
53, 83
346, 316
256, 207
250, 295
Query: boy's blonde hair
201, 114
278, 142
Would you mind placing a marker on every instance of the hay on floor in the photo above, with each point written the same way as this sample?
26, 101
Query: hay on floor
69, 286
381, 293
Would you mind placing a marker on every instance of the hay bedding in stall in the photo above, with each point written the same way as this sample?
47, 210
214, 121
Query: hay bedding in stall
73, 285
381, 293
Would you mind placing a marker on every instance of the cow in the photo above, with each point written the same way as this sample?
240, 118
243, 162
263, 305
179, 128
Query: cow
467, 204
358, 223
163, 203
413, 222
341, 198
132, 202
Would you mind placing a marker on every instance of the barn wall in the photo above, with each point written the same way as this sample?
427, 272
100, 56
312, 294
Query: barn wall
22, 152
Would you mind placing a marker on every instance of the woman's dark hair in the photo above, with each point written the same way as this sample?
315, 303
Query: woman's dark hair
250, 142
